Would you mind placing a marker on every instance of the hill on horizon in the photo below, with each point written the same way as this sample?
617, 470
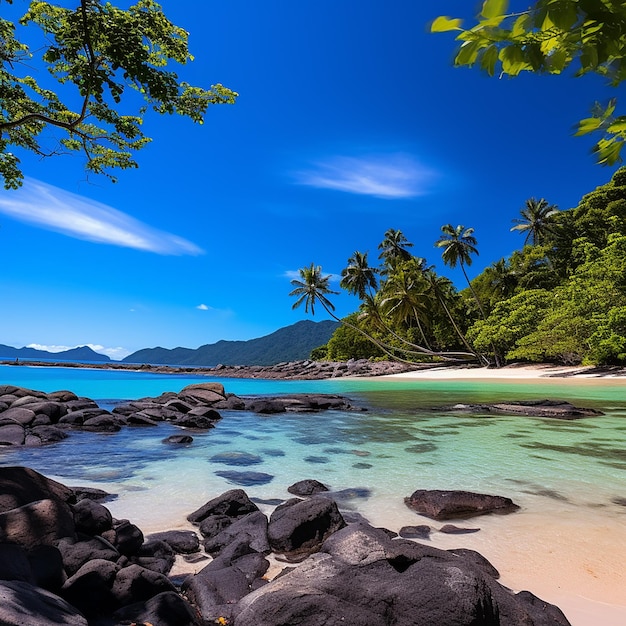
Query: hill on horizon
291, 343
82, 353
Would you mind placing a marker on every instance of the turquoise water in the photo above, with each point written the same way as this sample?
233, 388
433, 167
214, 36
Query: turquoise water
399, 444
567, 543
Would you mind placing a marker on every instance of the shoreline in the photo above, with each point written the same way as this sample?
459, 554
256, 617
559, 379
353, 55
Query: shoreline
543, 372
359, 369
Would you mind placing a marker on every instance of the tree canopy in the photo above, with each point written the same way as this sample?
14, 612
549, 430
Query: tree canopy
109, 67
551, 37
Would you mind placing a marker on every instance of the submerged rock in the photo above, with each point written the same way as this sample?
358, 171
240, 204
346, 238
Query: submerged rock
557, 409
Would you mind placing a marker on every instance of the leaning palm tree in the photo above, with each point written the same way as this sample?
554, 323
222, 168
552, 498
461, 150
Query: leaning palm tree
405, 299
536, 220
458, 246
394, 248
359, 278
312, 287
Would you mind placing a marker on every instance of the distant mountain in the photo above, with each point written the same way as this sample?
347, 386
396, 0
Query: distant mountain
292, 343
82, 353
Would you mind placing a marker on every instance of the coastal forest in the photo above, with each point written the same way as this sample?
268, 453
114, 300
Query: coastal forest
560, 298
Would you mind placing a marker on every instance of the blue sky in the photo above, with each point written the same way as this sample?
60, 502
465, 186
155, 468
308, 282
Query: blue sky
351, 120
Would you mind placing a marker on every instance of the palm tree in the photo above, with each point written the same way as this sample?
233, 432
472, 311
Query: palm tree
359, 278
442, 288
536, 220
502, 278
394, 248
458, 246
312, 287
406, 300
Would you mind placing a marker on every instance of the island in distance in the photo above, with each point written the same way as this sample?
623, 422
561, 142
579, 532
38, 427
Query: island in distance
291, 343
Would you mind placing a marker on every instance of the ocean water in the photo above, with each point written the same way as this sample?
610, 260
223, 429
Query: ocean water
569, 477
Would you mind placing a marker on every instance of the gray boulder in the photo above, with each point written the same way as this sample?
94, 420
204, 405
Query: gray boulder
300, 526
42, 607
444, 505
364, 578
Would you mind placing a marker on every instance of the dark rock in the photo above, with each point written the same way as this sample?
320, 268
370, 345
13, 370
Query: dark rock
364, 578
224, 581
91, 517
233, 503
302, 525
198, 422
139, 419
178, 439
90, 588
451, 529
14, 563
41, 522
22, 604
477, 560
76, 553
246, 479
103, 423
556, 409
92, 493
137, 584
125, 537
22, 485
307, 487
250, 529
156, 555
12, 435
19, 415
265, 406
354, 493
181, 541
415, 532
164, 609
443, 505
236, 458
48, 434
215, 524
46, 565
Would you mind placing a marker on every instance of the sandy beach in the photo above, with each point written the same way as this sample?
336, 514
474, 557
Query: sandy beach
540, 372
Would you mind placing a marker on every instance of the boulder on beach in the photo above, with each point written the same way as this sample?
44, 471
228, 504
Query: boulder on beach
443, 505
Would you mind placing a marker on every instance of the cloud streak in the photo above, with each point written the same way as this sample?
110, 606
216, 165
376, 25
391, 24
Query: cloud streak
54, 209
392, 176
114, 353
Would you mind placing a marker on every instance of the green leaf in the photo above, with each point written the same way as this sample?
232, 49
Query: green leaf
588, 125
444, 24
493, 8
489, 59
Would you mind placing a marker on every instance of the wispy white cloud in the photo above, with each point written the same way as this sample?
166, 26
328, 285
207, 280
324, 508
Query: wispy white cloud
390, 176
113, 353
54, 209
203, 307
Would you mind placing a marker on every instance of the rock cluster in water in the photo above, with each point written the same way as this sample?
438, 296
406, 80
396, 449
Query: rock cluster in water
34, 418
557, 409
65, 561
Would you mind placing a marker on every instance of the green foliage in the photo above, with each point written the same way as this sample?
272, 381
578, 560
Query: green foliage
111, 67
550, 37
510, 321
348, 343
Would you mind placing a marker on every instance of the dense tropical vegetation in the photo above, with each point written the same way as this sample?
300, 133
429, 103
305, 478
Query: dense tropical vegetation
560, 298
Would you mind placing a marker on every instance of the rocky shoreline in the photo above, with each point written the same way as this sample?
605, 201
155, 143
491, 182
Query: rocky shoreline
66, 561
292, 370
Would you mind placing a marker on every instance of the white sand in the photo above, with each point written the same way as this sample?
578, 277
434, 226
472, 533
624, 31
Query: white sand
551, 373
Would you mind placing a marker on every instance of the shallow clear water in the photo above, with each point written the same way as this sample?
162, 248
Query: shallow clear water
568, 476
